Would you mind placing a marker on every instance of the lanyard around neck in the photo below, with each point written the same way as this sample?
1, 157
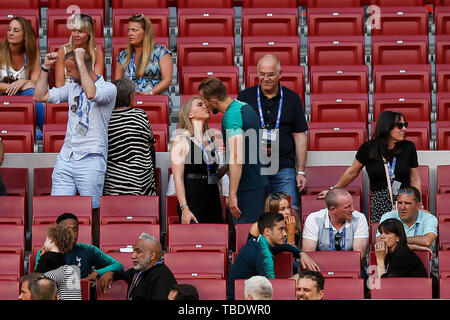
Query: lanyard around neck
132, 71
280, 107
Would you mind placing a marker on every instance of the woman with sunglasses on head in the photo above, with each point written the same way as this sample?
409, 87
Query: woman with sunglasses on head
82, 36
387, 156
148, 64
20, 63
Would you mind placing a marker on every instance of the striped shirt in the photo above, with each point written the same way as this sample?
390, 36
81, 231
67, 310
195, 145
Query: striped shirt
67, 279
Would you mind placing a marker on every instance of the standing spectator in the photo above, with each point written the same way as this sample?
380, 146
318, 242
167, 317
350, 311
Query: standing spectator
2, 157
309, 285
148, 64
82, 36
394, 258
149, 279
389, 147
280, 111
258, 288
43, 289
19, 63
248, 187
193, 157
25, 293
183, 292
52, 263
131, 151
81, 163
338, 227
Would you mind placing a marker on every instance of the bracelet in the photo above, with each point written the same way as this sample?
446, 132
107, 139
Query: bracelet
183, 205
303, 173
45, 69
331, 188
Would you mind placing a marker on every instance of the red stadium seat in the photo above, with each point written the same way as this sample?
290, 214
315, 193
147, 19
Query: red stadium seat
443, 106
283, 265
83, 4
442, 135
20, 4
17, 138
442, 49
204, 4
12, 210
439, 3
444, 288
192, 76
342, 288
39, 231
9, 289
269, 4
118, 291
402, 20
283, 289
335, 21
444, 235
196, 264
414, 106
442, 78
123, 257
287, 49
42, 181
139, 4
242, 230
12, 238
402, 78
121, 237
292, 77
332, 4
397, 3
208, 289
443, 181
47, 208
442, 19
206, 22
339, 79
424, 256
16, 181
399, 50
403, 288
32, 15
159, 18
171, 211
56, 113
346, 107
338, 264
326, 50
57, 21
326, 136
324, 177
444, 264
198, 237
373, 229
161, 134
443, 202
269, 22
129, 209
53, 136
424, 172
156, 107
85, 289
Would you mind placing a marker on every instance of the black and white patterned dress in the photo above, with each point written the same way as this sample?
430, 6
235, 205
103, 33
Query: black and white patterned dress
130, 168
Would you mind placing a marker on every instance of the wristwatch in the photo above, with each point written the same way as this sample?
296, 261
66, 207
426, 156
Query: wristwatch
45, 69
303, 173
183, 205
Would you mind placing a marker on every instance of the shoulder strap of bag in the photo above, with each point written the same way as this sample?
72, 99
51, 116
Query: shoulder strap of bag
388, 182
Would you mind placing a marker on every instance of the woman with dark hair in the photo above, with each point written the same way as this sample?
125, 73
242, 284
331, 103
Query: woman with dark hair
394, 258
388, 146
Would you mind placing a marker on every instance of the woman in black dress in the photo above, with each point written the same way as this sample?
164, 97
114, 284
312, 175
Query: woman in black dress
194, 158
388, 144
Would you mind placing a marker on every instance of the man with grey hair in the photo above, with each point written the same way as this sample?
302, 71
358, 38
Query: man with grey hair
338, 227
282, 120
258, 288
149, 279
43, 288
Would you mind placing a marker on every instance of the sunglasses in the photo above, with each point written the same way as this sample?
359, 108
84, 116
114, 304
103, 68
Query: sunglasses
407, 191
138, 16
401, 125
278, 195
10, 79
337, 241
74, 106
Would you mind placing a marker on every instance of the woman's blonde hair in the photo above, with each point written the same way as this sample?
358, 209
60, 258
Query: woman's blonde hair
184, 122
147, 45
30, 46
273, 202
84, 23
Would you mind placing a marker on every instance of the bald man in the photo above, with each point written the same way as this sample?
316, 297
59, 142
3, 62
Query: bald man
149, 279
43, 289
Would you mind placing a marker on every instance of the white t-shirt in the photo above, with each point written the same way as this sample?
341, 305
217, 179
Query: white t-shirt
225, 181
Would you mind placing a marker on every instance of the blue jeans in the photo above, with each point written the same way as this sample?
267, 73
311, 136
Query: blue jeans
40, 109
285, 180
86, 175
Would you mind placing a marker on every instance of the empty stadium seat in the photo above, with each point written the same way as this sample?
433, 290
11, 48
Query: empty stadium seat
20, 4
192, 76
402, 20
403, 288
139, 4
346, 107
204, 4
12, 210
9, 289
444, 264
159, 18
401, 78
121, 237
269, 4
343, 288
443, 204
47, 208
442, 49
326, 136
129, 209
42, 181
323, 177
414, 106
57, 21
198, 237
83, 4
242, 230
12, 238
399, 50
327, 50
444, 235
15, 180
442, 19
156, 107
124, 258
196, 264
443, 106
335, 21
171, 210
444, 288
442, 78
205, 22
11, 266
161, 134
208, 289
56, 113
269, 22
53, 136
332, 4
283, 289
442, 135
17, 138
443, 181
32, 15
85, 289
283, 264
118, 291
340, 264
373, 229
397, 3
339, 79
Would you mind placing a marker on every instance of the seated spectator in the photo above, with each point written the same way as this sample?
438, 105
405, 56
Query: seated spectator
2, 156
20, 63
256, 258
43, 288
258, 288
309, 285
82, 36
149, 279
338, 227
394, 258
52, 262
148, 64
83, 255
421, 227
25, 293
183, 292
131, 163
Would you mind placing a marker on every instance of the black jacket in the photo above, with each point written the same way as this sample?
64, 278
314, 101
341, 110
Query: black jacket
404, 263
